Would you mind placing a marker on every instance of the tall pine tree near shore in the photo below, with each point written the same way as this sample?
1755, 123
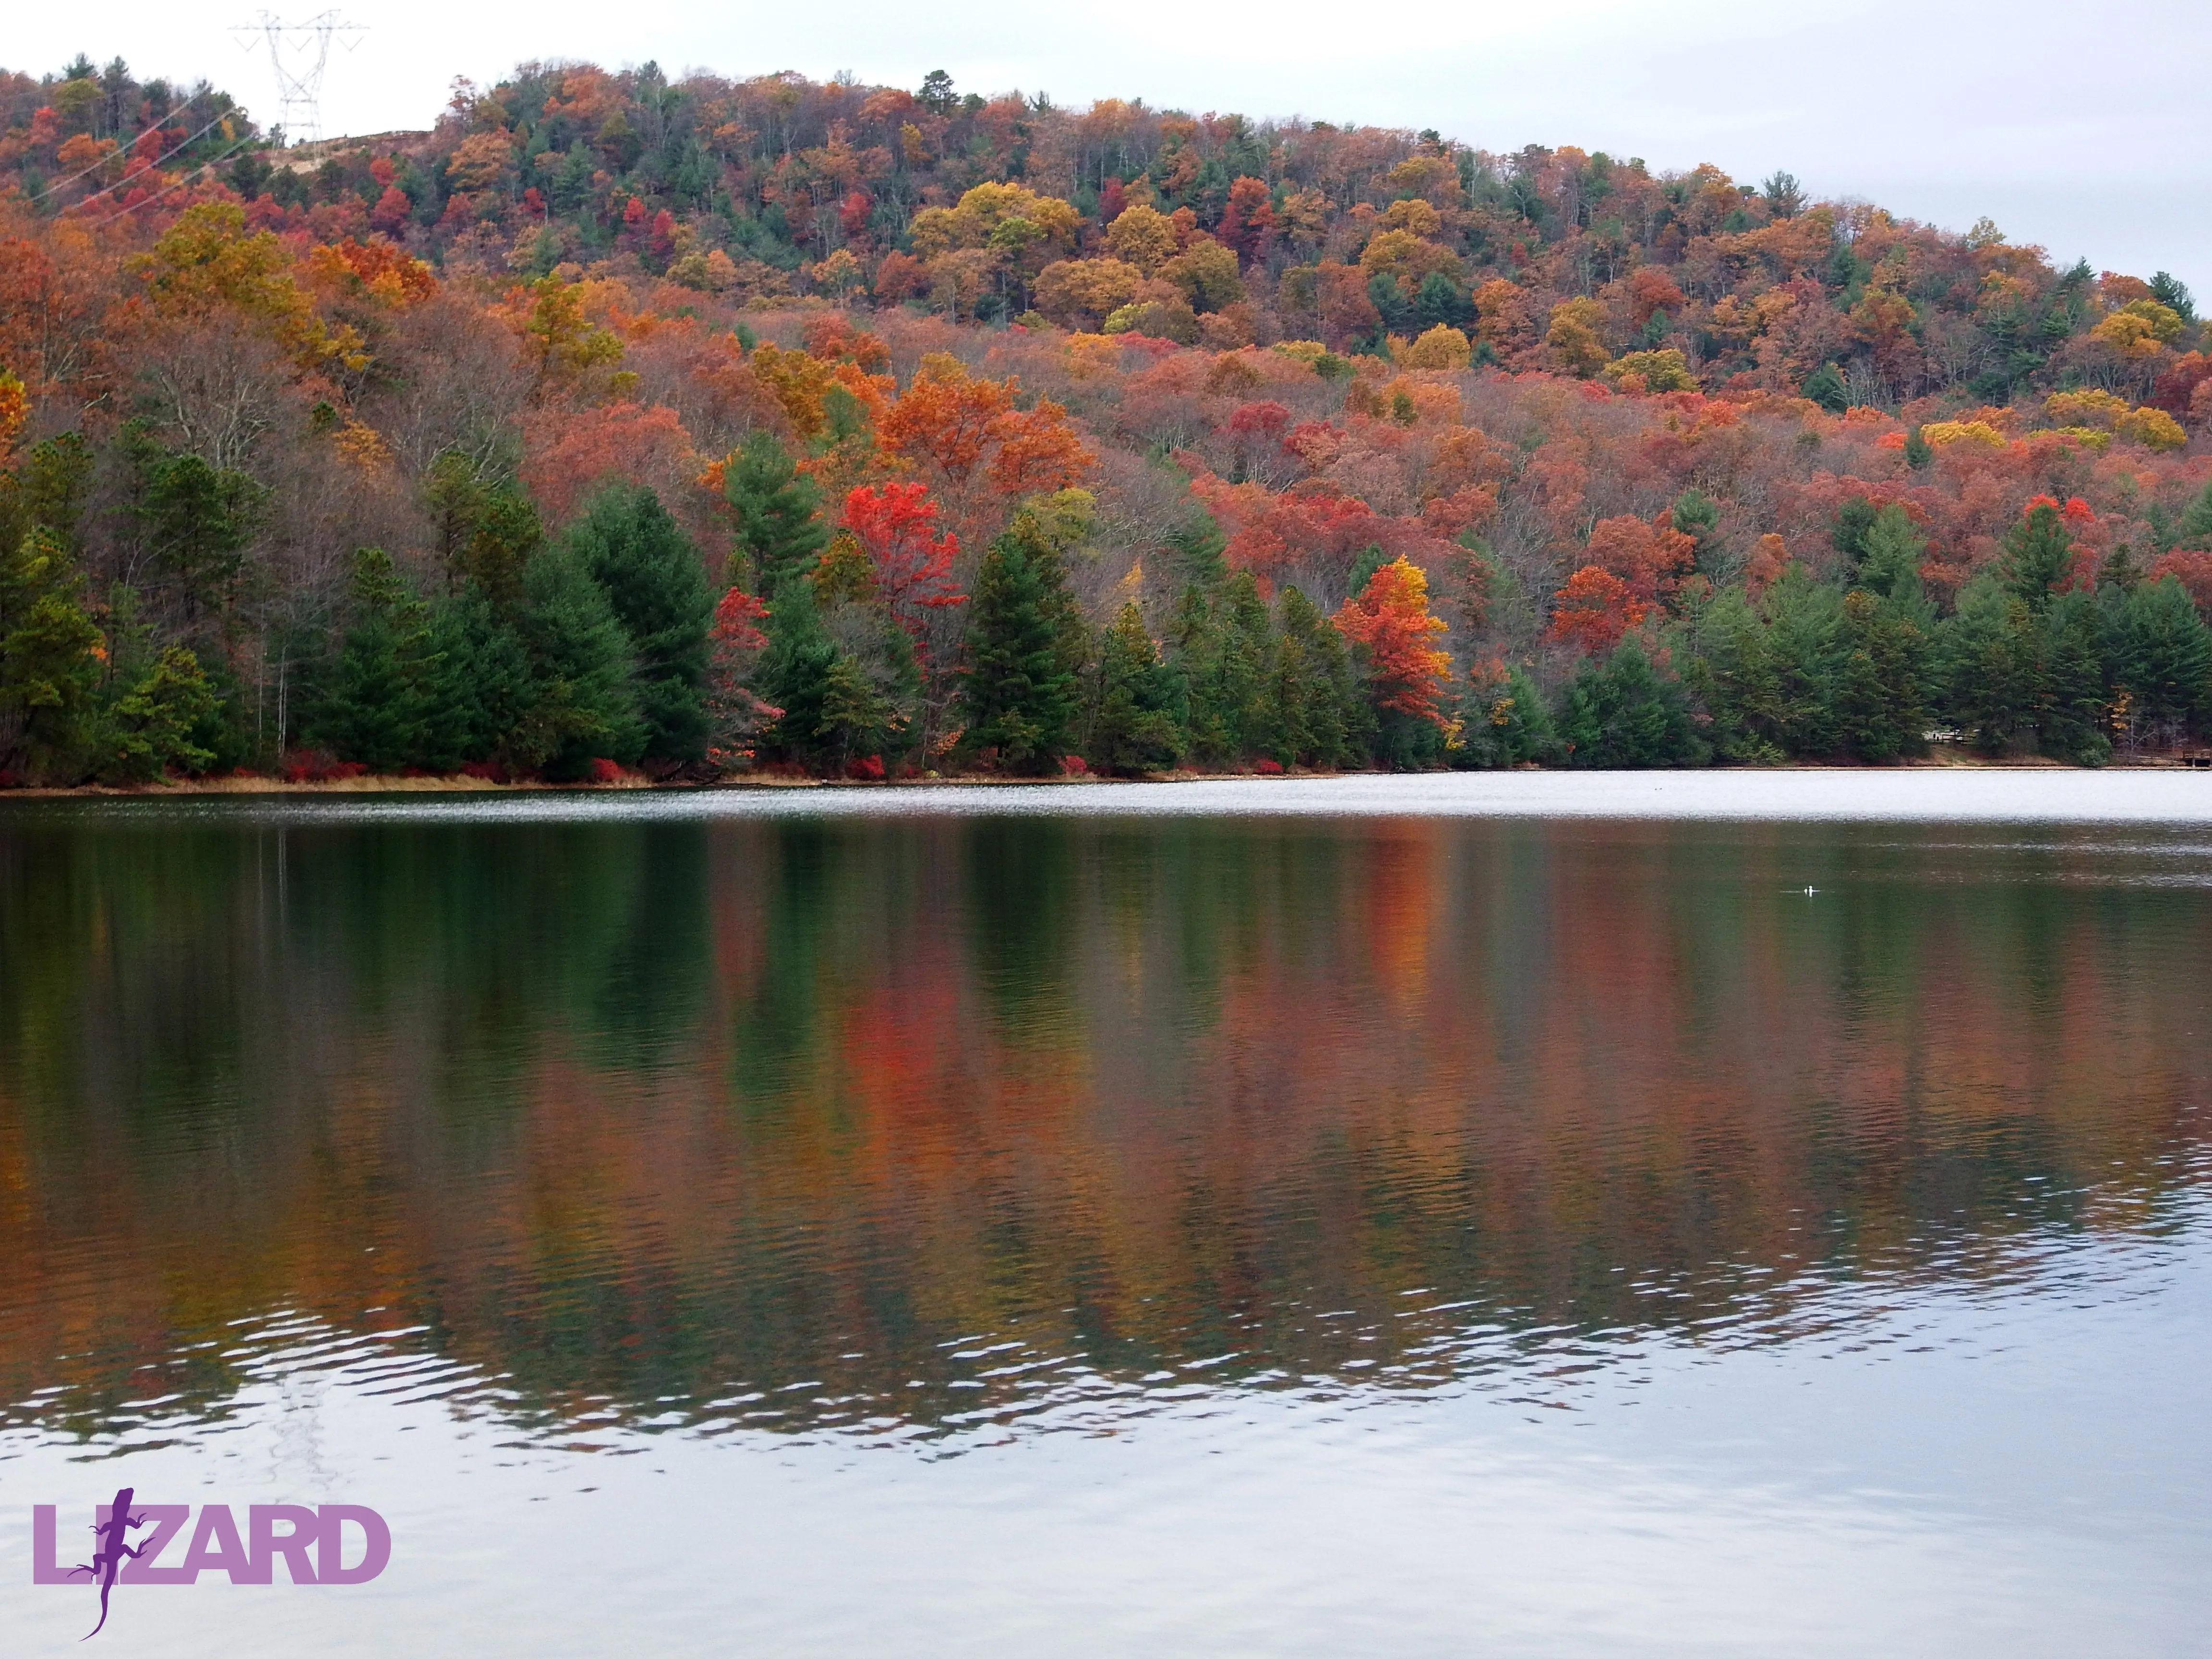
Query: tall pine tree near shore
776, 508
1019, 695
655, 585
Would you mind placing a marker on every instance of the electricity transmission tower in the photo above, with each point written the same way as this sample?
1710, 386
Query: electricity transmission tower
298, 52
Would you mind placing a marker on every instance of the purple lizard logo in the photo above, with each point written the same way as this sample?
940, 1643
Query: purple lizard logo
108, 1558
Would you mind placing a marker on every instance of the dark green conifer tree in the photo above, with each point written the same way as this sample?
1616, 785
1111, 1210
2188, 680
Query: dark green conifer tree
793, 674
1019, 695
376, 695
1729, 662
1989, 664
657, 587
857, 720
1803, 617
1825, 387
1890, 552
1698, 516
1505, 724
1624, 713
1853, 522
1323, 717
1135, 726
48, 670
2071, 724
481, 691
197, 519
2038, 556
2194, 529
2165, 655
46, 488
583, 706
1878, 714
779, 530
506, 534
155, 725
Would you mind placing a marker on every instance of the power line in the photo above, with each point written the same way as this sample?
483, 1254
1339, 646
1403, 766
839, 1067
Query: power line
40, 195
192, 177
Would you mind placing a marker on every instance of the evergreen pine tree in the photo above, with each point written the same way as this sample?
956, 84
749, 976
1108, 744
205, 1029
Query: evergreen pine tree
1529, 734
1624, 715
794, 673
776, 506
1803, 619
1019, 695
584, 706
2165, 655
480, 531
1324, 719
654, 583
2038, 556
2194, 529
1989, 664
1890, 554
1732, 669
1825, 387
376, 698
1296, 722
1854, 519
872, 699
1371, 559
504, 537
46, 488
154, 725
1877, 701
1505, 722
196, 518
48, 670
856, 719
452, 498
2118, 571
1194, 640
1224, 650
1050, 529
1698, 516
1133, 728
2070, 724
1197, 546
481, 689
1246, 663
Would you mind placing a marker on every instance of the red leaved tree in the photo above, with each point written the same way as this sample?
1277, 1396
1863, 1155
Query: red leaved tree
1390, 619
895, 524
1650, 556
1594, 609
735, 716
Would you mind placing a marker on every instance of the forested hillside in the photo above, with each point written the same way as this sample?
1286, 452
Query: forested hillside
618, 425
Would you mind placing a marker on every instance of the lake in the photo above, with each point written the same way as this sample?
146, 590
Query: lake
1614, 1214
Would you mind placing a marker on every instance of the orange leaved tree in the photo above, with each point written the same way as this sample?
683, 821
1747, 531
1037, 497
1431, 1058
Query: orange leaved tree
895, 524
1593, 609
1389, 620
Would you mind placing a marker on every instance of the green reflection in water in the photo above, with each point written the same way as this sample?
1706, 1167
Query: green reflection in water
673, 1114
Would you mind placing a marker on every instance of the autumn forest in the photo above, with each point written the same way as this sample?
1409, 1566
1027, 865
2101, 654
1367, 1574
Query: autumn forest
619, 427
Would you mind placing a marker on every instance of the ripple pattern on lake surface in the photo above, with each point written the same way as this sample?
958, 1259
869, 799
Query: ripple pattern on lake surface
699, 1143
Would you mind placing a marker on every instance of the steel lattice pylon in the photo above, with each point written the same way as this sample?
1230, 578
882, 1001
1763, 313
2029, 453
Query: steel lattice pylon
298, 52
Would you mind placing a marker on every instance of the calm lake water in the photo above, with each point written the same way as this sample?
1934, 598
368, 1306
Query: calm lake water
1512, 1216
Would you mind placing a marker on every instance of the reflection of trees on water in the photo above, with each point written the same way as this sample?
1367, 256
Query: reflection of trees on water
674, 1113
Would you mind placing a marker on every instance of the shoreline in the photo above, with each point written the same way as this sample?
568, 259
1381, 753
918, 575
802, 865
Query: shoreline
237, 784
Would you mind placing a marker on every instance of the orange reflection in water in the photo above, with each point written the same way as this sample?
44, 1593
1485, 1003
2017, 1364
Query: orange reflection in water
661, 1115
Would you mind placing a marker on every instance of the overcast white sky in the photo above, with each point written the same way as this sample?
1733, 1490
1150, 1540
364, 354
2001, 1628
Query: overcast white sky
2085, 129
